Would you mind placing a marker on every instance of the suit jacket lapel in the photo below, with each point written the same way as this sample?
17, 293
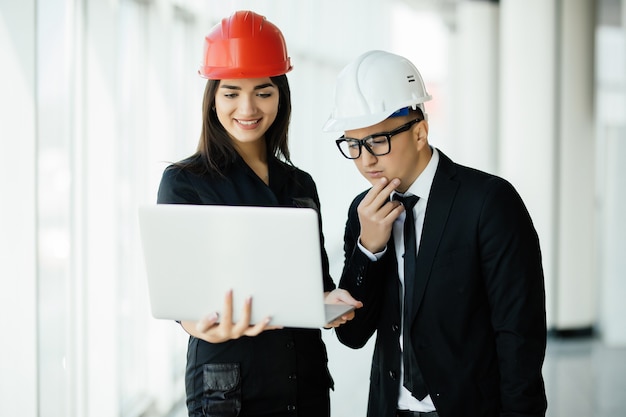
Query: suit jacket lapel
440, 201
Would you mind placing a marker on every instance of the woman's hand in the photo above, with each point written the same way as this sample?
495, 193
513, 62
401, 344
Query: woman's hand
340, 296
215, 330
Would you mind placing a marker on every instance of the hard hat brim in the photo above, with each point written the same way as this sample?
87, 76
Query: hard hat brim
358, 122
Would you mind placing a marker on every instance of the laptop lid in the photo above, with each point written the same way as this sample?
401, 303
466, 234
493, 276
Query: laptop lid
195, 253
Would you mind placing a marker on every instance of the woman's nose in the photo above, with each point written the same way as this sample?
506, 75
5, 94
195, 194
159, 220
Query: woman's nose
247, 105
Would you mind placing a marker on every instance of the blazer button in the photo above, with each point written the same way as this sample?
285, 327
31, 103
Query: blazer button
392, 375
395, 327
291, 408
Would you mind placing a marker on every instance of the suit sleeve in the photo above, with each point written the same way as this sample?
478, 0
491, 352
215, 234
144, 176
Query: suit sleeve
512, 270
176, 188
364, 280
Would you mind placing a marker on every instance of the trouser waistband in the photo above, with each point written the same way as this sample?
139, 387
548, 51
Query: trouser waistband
408, 413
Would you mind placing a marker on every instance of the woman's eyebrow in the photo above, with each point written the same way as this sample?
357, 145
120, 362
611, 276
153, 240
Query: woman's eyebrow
230, 87
257, 87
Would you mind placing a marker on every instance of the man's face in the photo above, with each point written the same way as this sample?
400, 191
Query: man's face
405, 160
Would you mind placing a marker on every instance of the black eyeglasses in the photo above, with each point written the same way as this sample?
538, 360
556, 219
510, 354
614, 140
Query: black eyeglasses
378, 144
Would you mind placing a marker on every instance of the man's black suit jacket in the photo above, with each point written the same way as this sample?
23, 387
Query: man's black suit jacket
478, 323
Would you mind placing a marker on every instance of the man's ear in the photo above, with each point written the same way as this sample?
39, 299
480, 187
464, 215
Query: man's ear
420, 132
424, 125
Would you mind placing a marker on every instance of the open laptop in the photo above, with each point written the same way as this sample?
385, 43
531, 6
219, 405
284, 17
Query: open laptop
195, 253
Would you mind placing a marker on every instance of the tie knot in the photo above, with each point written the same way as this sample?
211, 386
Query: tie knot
408, 201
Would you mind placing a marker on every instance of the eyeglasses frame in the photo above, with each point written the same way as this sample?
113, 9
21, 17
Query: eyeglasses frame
363, 142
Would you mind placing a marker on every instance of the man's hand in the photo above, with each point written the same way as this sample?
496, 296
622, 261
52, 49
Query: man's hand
340, 296
377, 214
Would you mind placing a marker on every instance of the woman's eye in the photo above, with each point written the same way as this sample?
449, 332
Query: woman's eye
230, 95
265, 95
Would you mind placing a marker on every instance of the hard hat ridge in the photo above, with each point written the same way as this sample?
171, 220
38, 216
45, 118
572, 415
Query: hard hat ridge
241, 24
373, 87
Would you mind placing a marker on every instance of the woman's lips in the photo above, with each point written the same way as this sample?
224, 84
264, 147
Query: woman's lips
248, 124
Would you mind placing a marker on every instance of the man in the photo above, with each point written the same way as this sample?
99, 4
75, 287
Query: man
461, 331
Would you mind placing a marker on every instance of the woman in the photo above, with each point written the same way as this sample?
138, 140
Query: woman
239, 369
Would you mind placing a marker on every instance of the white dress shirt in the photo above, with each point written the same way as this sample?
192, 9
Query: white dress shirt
421, 188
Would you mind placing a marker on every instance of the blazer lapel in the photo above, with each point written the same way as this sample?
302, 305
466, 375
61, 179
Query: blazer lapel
440, 201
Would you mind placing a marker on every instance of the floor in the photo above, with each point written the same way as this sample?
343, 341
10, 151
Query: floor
583, 377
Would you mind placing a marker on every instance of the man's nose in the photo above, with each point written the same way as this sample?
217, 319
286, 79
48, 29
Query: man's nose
367, 158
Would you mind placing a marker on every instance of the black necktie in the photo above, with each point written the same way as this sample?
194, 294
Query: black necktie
413, 380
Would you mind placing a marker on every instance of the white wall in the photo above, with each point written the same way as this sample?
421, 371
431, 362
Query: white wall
527, 130
576, 280
475, 89
610, 198
18, 240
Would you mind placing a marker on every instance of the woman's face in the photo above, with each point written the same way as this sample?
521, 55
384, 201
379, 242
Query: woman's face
246, 108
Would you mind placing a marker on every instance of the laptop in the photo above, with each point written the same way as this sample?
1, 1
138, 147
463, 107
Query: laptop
195, 253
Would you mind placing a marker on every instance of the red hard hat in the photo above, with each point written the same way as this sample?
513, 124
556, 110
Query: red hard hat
244, 45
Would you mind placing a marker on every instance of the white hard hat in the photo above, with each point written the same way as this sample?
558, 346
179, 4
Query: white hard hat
372, 87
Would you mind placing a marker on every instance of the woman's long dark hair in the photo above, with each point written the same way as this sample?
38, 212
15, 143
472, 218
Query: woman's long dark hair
216, 151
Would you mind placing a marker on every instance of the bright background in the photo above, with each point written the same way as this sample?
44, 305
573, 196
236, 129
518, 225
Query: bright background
96, 96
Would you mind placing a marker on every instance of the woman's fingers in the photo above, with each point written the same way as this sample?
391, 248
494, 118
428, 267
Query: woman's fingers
243, 324
205, 323
216, 329
259, 327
